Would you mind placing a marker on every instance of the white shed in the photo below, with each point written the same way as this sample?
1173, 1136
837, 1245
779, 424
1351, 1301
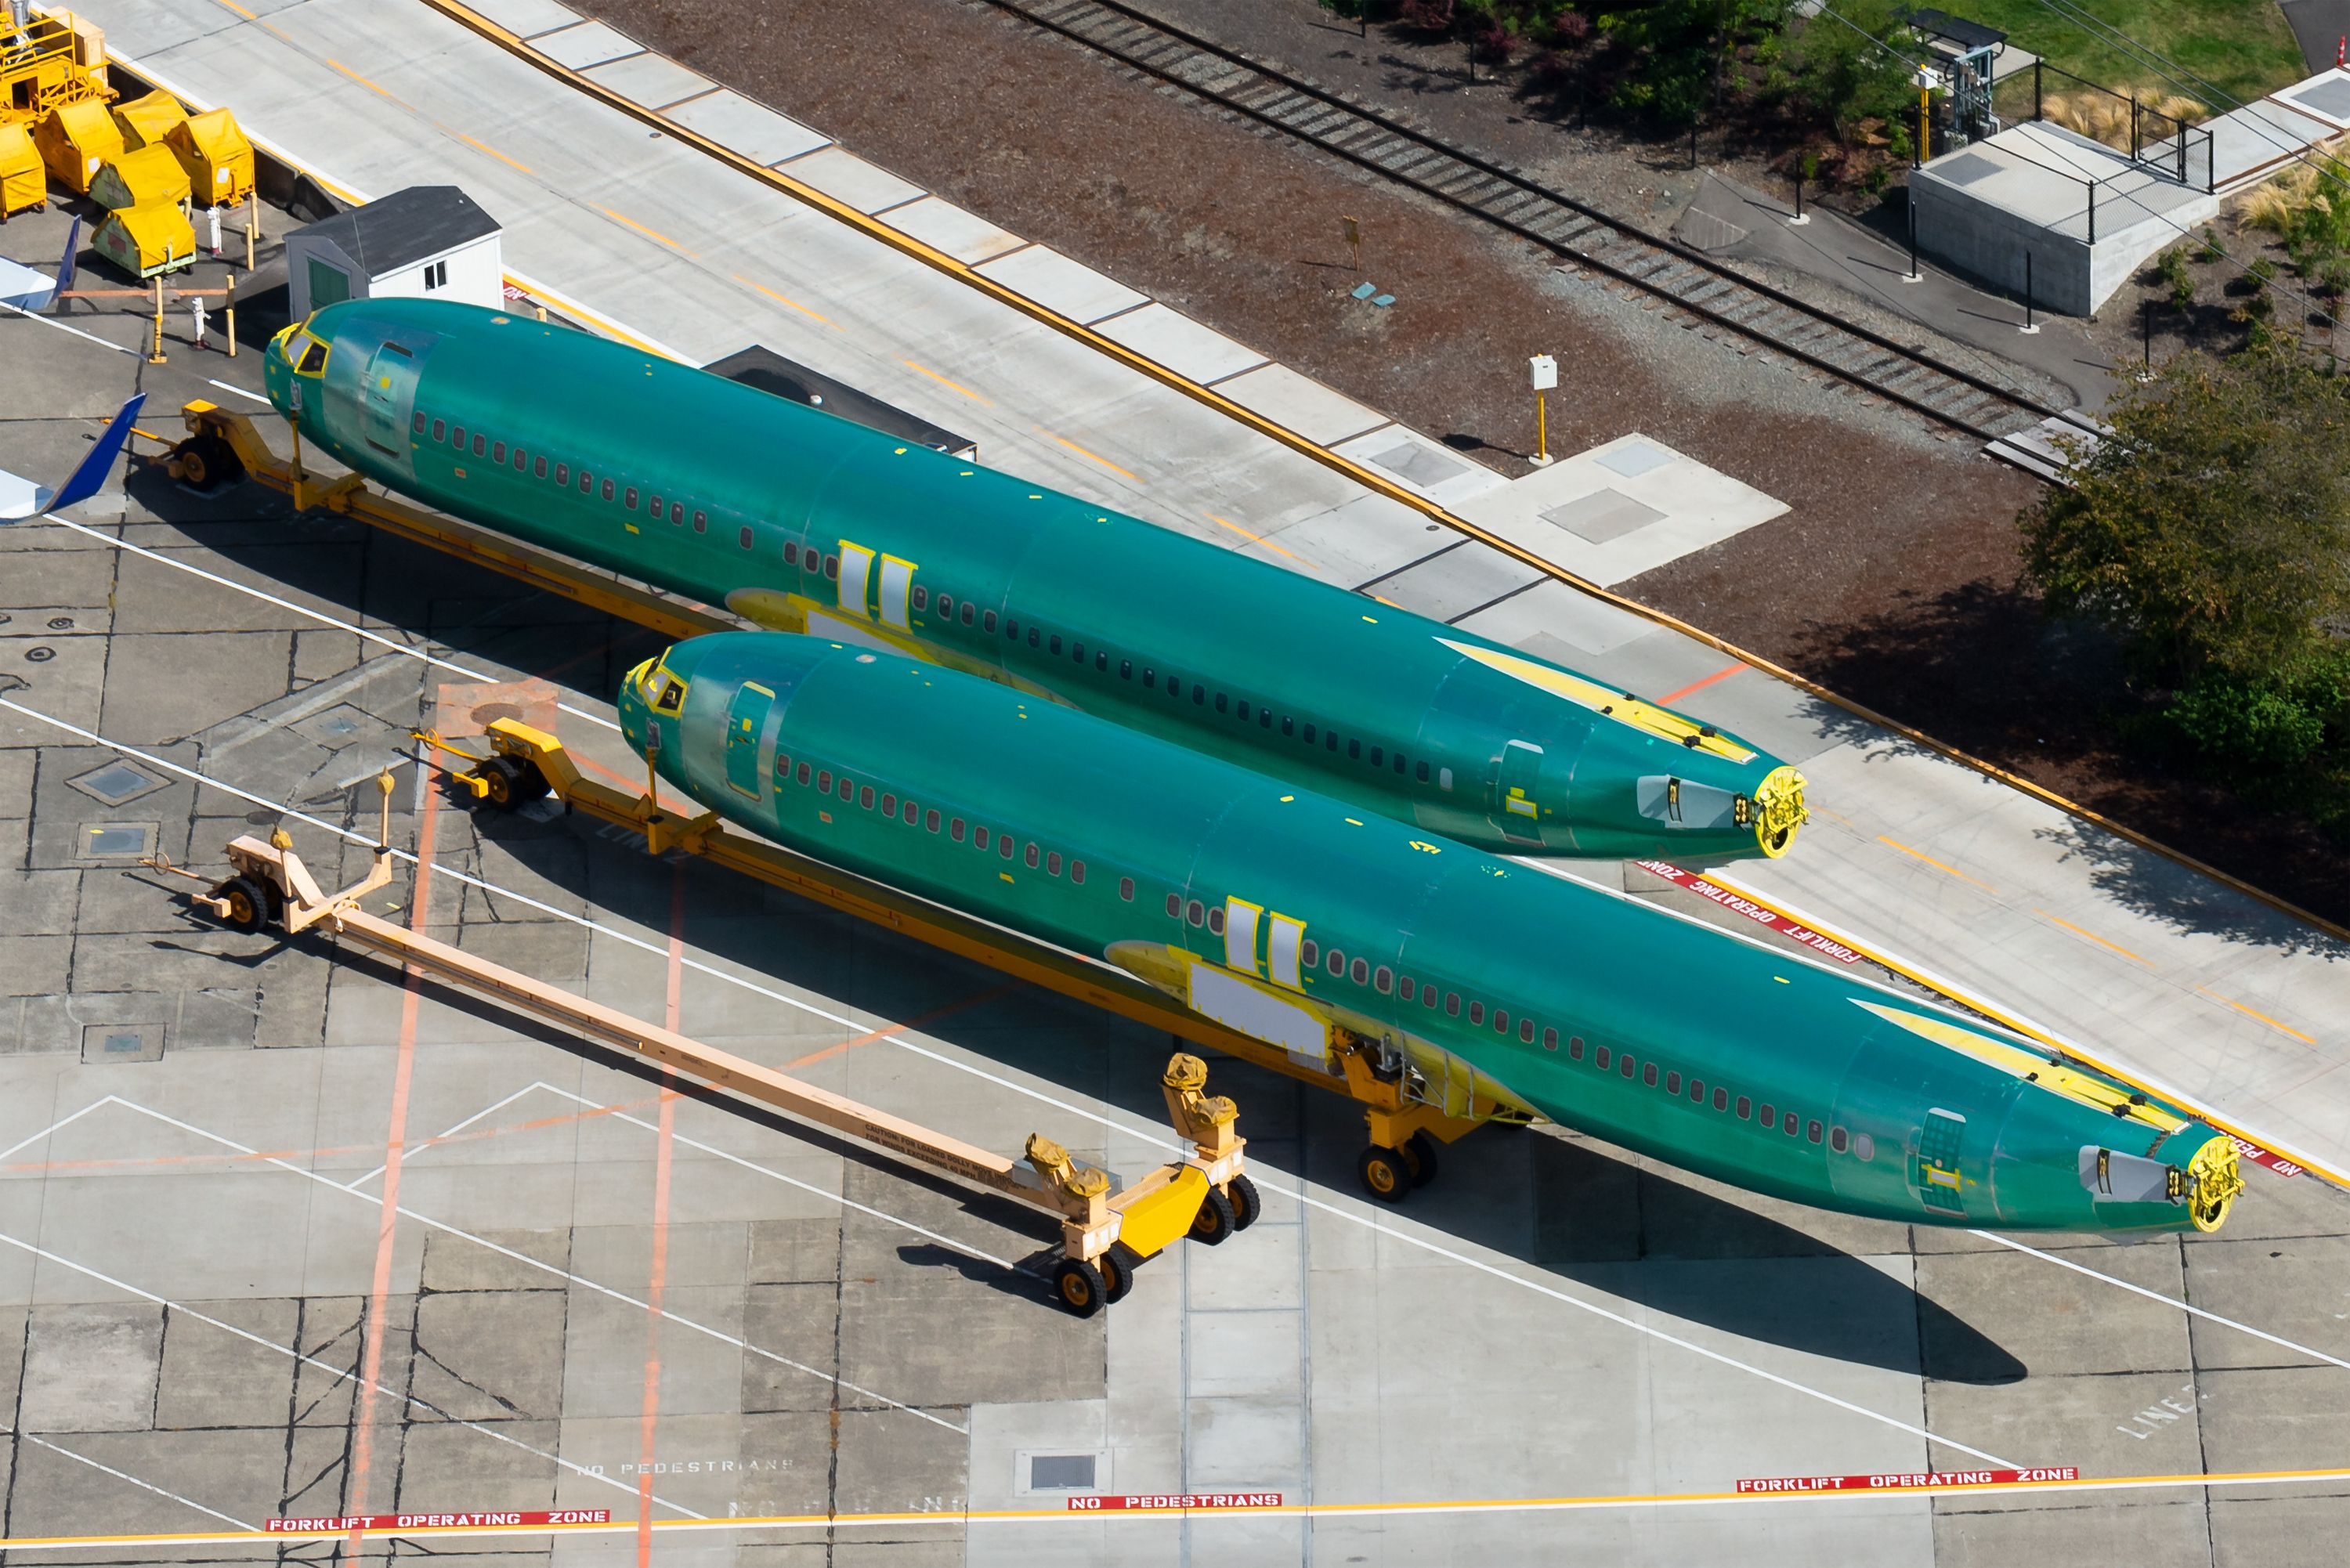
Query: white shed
428, 242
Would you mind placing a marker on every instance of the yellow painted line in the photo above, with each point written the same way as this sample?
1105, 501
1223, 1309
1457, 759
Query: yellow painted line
2008, 1020
950, 386
787, 299
620, 217
484, 146
379, 91
1257, 538
1094, 455
1936, 865
240, 10
2256, 1012
2079, 932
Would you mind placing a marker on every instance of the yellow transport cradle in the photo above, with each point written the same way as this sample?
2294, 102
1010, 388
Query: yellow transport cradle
1404, 1126
55, 60
1106, 1234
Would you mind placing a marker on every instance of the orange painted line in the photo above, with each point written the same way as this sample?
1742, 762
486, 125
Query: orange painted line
870, 1035
664, 1145
941, 381
1255, 538
403, 1075
620, 217
380, 92
1094, 456
484, 147
2078, 931
2254, 1013
637, 785
787, 299
1936, 865
1724, 673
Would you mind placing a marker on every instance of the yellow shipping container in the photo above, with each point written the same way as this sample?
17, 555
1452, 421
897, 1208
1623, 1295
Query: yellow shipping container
76, 140
145, 121
144, 241
140, 179
24, 182
216, 156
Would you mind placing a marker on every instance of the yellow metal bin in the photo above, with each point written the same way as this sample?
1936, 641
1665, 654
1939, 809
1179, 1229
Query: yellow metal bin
24, 182
216, 156
144, 241
76, 140
140, 179
146, 121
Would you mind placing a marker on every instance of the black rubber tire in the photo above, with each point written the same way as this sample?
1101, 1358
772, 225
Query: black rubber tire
248, 903
1214, 1225
207, 463
509, 782
1117, 1266
1420, 1153
1078, 1286
1246, 1202
1385, 1175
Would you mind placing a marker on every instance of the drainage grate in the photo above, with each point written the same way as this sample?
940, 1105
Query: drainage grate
105, 1042
1060, 1472
115, 783
116, 840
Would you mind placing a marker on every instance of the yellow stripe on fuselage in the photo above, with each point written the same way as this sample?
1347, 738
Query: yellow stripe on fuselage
2053, 1076
1605, 701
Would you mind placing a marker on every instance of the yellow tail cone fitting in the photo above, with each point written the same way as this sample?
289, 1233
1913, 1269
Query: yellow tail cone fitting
1779, 810
2214, 1180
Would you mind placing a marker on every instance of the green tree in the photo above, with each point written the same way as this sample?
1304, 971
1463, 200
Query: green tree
1855, 64
1678, 48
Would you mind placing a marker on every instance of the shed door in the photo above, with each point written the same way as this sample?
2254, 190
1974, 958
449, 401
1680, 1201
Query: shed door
328, 285
746, 718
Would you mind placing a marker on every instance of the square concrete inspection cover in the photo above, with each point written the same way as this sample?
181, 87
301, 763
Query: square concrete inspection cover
753, 129
1602, 515
527, 18
1423, 465
1635, 458
115, 840
1060, 1472
115, 783
2330, 96
104, 1042
590, 44
1967, 169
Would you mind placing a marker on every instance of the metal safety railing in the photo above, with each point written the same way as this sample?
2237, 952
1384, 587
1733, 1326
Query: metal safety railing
2154, 138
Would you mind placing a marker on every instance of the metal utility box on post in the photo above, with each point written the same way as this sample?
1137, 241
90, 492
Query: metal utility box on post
1541, 371
428, 242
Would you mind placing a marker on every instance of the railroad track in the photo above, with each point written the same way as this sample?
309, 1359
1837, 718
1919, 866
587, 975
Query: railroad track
1693, 286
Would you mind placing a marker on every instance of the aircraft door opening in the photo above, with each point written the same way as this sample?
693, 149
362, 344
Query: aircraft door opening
856, 574
897, 584
1934, 1169
1516, 790
391, 401
747, 720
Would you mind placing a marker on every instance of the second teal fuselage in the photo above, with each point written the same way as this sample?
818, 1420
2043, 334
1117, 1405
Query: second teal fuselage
802, 522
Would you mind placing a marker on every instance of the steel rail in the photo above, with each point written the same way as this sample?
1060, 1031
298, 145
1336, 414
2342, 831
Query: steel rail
1686, 279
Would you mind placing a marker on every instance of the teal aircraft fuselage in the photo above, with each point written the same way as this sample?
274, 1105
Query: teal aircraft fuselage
802, 522
1288, 915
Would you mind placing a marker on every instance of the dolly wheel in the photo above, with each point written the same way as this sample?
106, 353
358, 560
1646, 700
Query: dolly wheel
248, 903
1117, 1266
1420, 1153
509, 782
1080, 1286
1246, 1204
207, 463
1214, 1225
1385, 1175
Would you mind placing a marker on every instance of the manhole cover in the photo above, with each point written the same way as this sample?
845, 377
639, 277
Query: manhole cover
1419, 465
122, 1043
116, 840
1602, 515
1635, 458
115, 783
489, 713
340, 725
40, 655
61, 623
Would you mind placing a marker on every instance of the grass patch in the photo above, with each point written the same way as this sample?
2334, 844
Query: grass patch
2243, 47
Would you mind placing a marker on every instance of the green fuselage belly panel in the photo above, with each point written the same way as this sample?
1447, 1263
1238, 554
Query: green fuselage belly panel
1601, 1012
772, 509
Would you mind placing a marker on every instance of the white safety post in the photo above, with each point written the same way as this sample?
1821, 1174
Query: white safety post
214, 214
196, 313
1542, 371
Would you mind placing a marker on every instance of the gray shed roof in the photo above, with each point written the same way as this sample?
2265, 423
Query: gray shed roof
404, 227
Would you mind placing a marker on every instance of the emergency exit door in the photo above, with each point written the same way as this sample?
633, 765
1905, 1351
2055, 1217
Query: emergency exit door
746, 721
1516, 792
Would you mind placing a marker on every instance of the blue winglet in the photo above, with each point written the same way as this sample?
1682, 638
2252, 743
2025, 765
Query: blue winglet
92, 475
65, 265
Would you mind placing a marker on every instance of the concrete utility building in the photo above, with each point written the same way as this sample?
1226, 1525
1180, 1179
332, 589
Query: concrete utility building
428, 242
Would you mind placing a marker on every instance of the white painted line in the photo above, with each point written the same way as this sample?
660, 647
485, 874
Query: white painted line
240, 392
582, 1281
143, 1486
76, 331
338, 1374
359, 631
64, 1121
420, 1151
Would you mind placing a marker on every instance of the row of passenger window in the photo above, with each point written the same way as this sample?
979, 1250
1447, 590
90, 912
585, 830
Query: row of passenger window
1405, 988
536, 465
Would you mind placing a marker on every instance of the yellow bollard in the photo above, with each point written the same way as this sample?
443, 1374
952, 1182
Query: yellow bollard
157, 357
251, 225
232, 316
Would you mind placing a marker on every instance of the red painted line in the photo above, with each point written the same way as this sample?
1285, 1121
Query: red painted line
664, 1143
395, 1138
1909, 1481
1760, 914
1724, 673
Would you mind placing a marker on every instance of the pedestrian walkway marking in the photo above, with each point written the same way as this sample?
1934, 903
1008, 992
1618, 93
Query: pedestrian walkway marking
2256, 1012
1936, 865
2078, 931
